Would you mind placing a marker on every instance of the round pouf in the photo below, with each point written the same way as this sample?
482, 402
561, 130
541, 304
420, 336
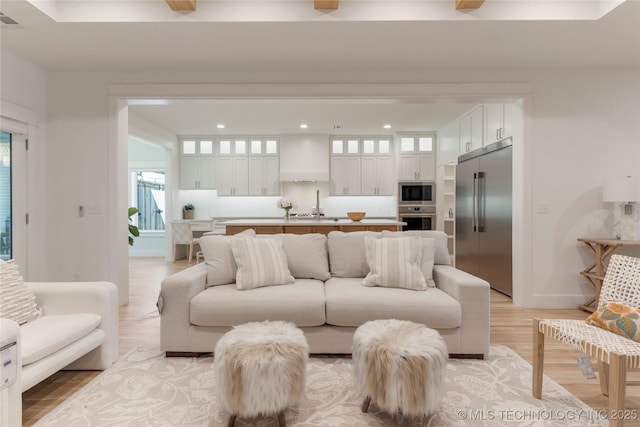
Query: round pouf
400, 366
259, 369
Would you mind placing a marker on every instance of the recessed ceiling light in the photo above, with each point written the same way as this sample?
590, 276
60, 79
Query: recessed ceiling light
387, 126
220, 126
304, 126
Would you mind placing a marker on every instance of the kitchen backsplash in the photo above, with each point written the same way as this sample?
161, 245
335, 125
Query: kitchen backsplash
208, 204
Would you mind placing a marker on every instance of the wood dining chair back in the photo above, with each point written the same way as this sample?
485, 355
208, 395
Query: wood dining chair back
614, 353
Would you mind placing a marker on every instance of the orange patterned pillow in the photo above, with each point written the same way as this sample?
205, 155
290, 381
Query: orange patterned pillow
619, 318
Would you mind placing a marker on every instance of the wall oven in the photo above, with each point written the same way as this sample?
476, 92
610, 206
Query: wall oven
416, 193
417, 217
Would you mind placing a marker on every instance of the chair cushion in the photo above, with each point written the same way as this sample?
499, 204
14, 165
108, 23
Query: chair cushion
351, 304
48, 334
394, 263
17, 302
618, 318
301, 303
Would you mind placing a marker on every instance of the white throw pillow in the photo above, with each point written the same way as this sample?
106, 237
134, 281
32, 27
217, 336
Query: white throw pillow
426, 264
307, 254
395, 263
17, 302
261, 262
221, 266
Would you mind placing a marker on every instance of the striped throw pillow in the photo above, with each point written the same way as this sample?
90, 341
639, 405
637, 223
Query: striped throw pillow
17, 302
261, 262
395, 263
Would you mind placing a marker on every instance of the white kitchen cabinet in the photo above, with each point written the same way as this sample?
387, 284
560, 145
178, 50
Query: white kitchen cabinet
346, 176
472, 131
499, 122
417, 160
264, 176
377, 177
232, 175
197, 172
417, 167
196, 146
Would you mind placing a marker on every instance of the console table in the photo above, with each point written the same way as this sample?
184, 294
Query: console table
601, 248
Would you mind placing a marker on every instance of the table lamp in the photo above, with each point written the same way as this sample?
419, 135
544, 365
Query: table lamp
624, 192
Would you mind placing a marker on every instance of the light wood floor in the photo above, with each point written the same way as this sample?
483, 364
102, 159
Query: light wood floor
140, 326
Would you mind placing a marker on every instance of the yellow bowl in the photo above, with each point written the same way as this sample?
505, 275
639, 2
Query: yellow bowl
356, 216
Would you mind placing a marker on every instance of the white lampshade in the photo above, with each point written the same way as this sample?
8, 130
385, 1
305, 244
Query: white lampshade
621, 189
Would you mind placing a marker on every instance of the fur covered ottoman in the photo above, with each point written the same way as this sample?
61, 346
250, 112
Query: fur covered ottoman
259, 369
400, 366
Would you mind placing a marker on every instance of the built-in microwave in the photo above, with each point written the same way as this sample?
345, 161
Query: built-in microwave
416, 193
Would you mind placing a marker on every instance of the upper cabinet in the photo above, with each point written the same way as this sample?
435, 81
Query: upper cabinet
472, 130
498, 122
361, 166
417, 160
479, 127
197, 164
235, 166
264, 168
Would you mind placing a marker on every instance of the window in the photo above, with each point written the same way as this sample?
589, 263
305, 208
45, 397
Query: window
6, 249
149, 198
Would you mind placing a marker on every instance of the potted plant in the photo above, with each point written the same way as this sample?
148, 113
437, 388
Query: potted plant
187, 211
133, 230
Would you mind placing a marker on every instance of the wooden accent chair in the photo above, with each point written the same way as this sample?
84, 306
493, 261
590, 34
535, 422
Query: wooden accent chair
615, 353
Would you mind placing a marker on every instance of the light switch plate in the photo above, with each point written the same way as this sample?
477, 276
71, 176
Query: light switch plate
543, 208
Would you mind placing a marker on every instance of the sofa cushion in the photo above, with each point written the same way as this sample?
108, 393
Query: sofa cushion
351, 304
394, 263
441, 251
347, 257
307, 254
221, 267
301, 303
261, 262
48, 334
17, 302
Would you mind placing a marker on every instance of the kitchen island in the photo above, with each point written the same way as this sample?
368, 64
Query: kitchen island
304, 226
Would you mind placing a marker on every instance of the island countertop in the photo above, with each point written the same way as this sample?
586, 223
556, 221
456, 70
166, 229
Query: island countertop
302, 226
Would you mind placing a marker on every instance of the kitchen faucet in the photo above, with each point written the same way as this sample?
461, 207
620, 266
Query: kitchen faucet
318, 204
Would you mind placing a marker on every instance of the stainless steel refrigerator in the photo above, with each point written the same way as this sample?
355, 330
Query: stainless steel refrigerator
483, 214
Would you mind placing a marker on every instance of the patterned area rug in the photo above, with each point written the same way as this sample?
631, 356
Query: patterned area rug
146, 389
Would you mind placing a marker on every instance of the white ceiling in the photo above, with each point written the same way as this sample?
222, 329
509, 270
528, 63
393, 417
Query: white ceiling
399, 44
198, 117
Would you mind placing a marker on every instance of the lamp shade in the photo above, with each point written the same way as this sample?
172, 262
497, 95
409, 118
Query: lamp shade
623, 188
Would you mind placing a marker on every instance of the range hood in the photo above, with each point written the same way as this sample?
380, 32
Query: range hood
304, 176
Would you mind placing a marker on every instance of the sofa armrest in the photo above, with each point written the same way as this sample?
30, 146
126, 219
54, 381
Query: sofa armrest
56, 298
473, 294
174, 304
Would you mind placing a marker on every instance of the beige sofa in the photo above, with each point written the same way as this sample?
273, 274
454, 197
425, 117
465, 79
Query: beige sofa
327, 300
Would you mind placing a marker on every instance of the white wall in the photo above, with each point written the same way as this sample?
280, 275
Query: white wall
580, 126
23, 84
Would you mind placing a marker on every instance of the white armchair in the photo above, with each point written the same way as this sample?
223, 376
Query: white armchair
78, 330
